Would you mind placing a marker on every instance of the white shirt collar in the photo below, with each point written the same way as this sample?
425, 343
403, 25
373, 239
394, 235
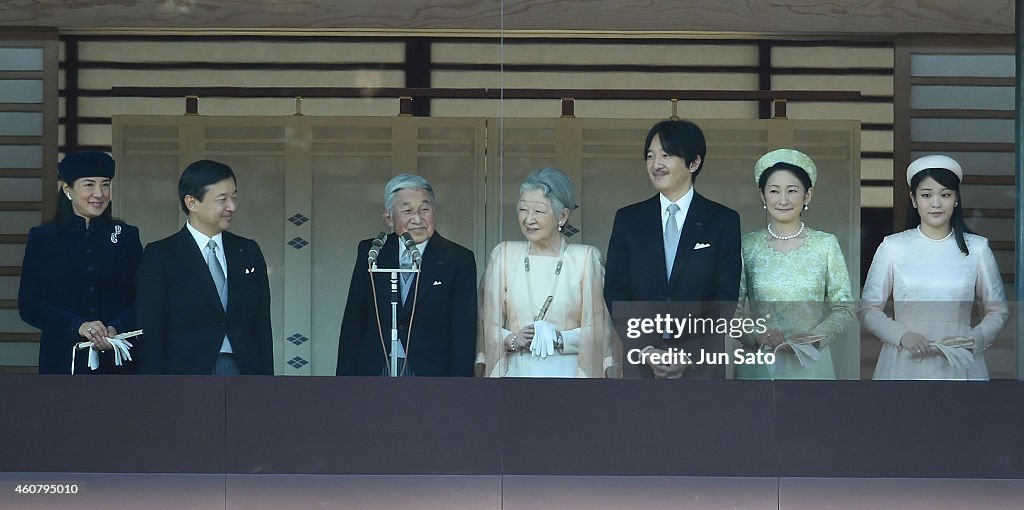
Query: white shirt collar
683, 203
421, 246
202, 239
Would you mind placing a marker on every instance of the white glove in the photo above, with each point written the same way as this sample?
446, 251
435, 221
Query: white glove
806, 354
544, 334
121, 346
122, 353
958, 357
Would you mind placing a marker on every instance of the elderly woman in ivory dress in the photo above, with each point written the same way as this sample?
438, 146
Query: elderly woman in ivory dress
793, 275
933, 270
542, 311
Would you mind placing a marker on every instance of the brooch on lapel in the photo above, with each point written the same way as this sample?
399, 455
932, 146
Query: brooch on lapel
117, 231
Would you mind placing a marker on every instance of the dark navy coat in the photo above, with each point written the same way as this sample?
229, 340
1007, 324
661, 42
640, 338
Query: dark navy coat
72, 274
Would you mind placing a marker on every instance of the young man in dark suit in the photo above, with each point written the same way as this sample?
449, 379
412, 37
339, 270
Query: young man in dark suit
676, 246
443, 310
202, 294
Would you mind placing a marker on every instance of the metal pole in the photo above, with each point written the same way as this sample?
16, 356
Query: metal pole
395, 342
1018, 127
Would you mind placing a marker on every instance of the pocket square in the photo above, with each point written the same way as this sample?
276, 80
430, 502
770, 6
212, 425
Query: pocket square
701, 246
250, 270
436, 283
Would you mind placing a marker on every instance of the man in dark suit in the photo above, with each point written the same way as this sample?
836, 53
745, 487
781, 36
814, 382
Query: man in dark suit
675, 246
440, 301
202, 294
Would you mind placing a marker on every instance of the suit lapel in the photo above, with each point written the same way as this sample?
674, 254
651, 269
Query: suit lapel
195, 264
693, 229
651, 228
234, 254
434, 259
434, 256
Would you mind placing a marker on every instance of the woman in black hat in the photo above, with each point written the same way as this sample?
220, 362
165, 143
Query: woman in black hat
78, 275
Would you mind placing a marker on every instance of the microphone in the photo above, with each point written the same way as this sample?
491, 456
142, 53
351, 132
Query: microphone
411, 246
375, 246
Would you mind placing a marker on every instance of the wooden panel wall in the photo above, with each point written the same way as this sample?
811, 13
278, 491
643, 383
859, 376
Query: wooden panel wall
28, 173
778, 16
98, 67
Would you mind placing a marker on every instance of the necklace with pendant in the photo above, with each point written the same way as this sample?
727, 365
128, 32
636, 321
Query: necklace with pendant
554, 284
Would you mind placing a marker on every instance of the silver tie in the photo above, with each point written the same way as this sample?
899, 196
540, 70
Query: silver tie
671, 238
406, 263
217, 272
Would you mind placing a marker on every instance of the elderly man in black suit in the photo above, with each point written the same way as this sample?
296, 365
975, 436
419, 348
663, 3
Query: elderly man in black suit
676, 246
442, 308
202, 294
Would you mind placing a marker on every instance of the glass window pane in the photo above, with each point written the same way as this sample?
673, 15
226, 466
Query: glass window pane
20, 189
965, 98
21, 156
21, 59
981, 66
21, 91
962, 130
22, 124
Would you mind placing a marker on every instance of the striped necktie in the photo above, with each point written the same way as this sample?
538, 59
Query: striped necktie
406, 263
217, 272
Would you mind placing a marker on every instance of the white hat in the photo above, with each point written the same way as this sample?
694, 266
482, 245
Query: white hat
934, 161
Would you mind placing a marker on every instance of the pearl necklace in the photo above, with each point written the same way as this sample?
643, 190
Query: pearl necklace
785, 238
934, 240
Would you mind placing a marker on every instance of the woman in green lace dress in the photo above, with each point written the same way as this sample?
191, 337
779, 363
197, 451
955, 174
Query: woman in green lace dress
793, 276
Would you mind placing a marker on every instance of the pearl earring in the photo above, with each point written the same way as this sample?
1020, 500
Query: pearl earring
69, 195
805, 207
764, 206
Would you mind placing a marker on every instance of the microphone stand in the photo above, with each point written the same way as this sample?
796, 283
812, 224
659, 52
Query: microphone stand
395, 341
